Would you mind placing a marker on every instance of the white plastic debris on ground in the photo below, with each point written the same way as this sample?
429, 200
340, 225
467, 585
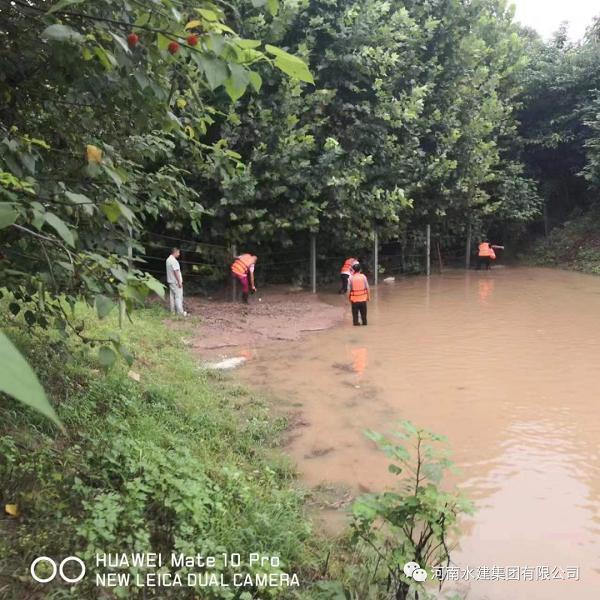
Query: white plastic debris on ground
133, 375
226, 364
389, 280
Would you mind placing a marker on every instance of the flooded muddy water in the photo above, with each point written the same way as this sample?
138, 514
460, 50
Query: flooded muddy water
506, 364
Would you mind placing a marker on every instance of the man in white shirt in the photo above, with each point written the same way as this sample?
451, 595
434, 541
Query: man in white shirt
175, 282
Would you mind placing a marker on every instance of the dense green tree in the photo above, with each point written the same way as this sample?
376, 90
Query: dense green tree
556, 120
100, 99
592, 145
411, 121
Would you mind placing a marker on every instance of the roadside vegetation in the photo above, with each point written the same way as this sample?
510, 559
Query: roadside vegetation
573, 245
181, 460
560, 132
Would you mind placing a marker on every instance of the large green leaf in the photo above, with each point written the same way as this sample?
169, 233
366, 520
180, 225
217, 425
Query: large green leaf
156, 286
61, 228
8, 214
162, 41
127, 213
215, 71
106, 58
82, 201
121, 41
236, 84
209, 15
62, 33
112, 210
255, 80
291, 65
62, 4
248, 44
18, 380
107, 356
78, 198
104, 305
233, 91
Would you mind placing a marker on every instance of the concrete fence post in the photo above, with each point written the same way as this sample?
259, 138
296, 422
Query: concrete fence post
313, 262
233, 279
468, 248
375, 256
428, 252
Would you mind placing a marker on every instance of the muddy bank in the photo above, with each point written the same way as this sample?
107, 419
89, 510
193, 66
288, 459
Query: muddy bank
219, 329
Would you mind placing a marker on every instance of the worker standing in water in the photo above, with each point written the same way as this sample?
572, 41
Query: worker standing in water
487, 254
345, 273
359, 294
242, 269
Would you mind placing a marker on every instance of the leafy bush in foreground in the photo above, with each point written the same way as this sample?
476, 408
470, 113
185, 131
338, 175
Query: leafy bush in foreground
415, 522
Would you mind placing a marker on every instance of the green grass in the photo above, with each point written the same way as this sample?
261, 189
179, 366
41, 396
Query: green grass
184, 460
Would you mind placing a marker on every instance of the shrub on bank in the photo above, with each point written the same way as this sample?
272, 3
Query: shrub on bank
574, 245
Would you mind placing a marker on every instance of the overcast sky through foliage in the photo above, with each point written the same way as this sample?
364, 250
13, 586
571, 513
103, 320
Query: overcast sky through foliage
546, 15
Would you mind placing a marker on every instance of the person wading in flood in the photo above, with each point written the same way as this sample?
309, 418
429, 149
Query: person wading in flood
242, 269
487, 254
345, 273
359, 295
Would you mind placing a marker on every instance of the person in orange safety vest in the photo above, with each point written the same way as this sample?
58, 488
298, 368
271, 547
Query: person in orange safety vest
345, 273
359, 294
242, 269
486, 254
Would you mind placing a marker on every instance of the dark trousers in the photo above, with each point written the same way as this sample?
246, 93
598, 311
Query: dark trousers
359, 308
344, 277
485, 261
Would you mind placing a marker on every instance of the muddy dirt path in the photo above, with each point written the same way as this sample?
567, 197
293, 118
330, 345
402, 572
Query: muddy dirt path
222, 329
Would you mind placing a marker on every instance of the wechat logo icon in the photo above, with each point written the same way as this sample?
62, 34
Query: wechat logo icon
414, 571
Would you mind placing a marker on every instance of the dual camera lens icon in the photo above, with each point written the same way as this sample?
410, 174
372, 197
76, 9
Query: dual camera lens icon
414, 571
57, 569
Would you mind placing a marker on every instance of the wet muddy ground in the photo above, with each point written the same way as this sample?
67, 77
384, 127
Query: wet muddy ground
222, 329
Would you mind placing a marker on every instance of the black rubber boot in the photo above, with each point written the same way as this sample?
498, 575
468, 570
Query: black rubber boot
245, 297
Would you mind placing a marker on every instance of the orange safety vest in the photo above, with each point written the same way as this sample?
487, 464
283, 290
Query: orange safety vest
347, 266
486, 250
241, 265
359, 288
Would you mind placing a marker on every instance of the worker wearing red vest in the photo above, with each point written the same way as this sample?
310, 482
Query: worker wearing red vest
359, 294
242, 269
345, 273
487, 254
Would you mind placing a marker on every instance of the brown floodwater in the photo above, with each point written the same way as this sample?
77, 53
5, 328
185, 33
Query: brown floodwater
505, 364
